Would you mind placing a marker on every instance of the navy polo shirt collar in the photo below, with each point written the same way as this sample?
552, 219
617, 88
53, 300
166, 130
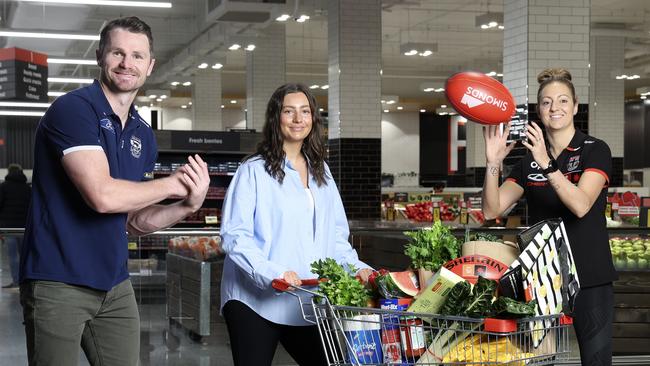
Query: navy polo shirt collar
101, 102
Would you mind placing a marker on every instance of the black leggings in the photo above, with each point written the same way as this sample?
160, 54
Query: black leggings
253, 339
592, 321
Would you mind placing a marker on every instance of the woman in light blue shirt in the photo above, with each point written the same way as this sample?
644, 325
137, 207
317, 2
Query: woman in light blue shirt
282, 212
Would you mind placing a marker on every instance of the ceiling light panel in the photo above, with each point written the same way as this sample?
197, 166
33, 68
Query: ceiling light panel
71, 61
140, 4
48, 35
69, 80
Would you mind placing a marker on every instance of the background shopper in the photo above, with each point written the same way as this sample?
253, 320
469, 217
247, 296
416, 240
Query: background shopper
92, 152
14, 203
565, 173
281, 213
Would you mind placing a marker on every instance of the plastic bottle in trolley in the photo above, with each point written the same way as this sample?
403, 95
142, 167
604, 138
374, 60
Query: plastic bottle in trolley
390, 334
413, 337
390, 343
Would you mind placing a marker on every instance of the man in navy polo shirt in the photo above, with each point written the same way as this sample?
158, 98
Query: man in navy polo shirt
94, 158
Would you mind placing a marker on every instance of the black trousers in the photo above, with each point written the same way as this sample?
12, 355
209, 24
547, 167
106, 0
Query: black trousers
592, 321
254, 339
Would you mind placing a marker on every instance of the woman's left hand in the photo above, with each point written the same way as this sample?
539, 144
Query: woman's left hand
536, 144
363, 274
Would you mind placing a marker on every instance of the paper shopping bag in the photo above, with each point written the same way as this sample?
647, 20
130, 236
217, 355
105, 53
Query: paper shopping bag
547, 270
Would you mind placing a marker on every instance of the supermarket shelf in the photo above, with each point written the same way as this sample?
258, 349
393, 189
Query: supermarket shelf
148, 248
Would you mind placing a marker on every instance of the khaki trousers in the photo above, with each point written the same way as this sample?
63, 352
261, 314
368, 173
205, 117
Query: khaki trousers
60, 318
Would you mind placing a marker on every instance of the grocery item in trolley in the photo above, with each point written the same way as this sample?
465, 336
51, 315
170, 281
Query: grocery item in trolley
350, 335
431, 299
470, 267
391, 339
363, 332
545, 271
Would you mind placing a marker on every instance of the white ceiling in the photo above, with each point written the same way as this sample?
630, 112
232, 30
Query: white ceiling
449, 23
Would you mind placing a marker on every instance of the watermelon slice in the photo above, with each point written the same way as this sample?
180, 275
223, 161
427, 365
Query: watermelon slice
398, 284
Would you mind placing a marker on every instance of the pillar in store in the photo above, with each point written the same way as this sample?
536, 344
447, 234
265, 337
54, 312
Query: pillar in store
354, 109
607, 102
265, 72
539, 34
206, 100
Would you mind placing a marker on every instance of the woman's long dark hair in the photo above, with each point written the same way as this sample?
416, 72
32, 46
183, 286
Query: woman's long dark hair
270, 148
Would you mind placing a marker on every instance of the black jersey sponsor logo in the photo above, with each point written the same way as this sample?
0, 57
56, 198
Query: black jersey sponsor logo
537, 177
136, 146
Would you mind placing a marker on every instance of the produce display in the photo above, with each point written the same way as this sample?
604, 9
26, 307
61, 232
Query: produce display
423, 211
419, 212
203, 248
630, 253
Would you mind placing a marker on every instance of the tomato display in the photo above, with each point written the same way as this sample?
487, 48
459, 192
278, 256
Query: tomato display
420, 212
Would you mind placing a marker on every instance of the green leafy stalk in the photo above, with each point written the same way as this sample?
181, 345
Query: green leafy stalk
430, 248
457, 300
484, 237
480, 304
474, 302
340, 287
505, 307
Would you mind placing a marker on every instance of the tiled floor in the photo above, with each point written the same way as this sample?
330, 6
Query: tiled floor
161, 344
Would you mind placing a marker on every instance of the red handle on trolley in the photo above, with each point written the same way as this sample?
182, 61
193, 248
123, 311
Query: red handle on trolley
282, 285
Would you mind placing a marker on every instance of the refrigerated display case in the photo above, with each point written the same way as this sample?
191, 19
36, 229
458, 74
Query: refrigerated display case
189, 264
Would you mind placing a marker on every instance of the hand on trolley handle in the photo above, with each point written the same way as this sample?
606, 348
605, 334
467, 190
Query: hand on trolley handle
283, 285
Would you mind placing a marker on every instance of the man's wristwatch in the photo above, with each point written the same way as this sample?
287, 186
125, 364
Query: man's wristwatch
550, 168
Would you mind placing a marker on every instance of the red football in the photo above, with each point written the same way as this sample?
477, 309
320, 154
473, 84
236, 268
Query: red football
480, 98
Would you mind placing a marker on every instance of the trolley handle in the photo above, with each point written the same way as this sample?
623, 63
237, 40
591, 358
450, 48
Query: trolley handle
281, 285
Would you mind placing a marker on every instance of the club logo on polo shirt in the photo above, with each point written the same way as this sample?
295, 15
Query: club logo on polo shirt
573, 163
136, 147
106, 124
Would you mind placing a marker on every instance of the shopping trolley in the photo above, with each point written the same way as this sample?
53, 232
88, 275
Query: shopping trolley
370, 336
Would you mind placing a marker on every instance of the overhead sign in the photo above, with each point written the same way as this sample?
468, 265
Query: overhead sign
205, 141
23, 75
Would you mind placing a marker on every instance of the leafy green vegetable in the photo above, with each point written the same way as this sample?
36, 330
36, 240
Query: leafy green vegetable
484, 237
341, 287
480, 303
456, 302
474, 302
505, 307
430, 248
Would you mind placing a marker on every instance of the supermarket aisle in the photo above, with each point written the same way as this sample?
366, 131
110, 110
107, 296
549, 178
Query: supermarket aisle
160, 345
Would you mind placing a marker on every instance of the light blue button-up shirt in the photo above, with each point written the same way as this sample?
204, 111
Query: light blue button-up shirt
269, 228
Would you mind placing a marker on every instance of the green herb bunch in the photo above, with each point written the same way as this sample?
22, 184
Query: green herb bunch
430, 248
341, 286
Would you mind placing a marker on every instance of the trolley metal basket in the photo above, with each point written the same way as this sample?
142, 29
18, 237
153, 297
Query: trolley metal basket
370, 336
